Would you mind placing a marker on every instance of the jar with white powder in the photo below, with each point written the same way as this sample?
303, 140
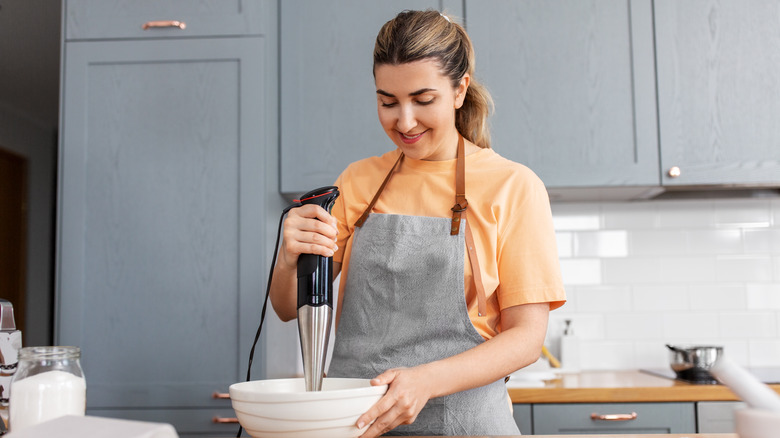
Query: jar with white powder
49, 383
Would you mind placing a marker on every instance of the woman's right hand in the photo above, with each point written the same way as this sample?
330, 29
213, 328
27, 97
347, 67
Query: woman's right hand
308, 229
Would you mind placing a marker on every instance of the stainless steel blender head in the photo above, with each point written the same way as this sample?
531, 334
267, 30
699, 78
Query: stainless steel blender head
315, 299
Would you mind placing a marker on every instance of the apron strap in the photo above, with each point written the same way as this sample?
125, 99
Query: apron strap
475, 272
461, 204
367, 211
460, 188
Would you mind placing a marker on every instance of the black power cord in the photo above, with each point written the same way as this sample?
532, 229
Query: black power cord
267, 294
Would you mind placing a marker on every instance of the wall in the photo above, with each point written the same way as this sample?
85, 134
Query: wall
643, 274
37, 143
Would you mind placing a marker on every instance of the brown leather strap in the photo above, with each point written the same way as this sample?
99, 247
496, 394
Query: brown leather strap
364, 216
460, 188
475, 272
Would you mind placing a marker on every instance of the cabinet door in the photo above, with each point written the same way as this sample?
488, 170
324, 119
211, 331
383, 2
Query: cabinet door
522, 416
160, 218
103, 19
614, 418
573, 84
328, 100
718, 89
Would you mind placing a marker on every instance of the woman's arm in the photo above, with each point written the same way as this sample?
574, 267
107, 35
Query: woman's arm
518, 345
308, 229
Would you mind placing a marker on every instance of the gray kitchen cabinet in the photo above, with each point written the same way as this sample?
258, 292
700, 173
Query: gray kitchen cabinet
718, 65
717, 416
574, 88
613, 418
103, 19
162, 236
522, 415
328, 104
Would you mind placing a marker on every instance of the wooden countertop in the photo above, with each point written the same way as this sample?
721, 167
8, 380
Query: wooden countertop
620, 387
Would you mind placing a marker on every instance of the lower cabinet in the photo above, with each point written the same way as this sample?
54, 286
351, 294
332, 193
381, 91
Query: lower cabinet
522, 414
716, 416
606, 418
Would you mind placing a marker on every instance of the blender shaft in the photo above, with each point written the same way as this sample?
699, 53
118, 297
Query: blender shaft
314, 327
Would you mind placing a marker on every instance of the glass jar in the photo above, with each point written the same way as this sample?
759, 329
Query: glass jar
49, 383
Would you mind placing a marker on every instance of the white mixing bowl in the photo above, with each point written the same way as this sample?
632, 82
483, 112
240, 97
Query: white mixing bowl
756, 423
283, 407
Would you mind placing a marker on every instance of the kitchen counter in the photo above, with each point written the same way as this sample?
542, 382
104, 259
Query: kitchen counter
621, 387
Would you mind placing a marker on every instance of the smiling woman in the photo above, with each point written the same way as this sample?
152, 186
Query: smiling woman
439, 301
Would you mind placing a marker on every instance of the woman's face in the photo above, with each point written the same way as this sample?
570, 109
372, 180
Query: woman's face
416, 106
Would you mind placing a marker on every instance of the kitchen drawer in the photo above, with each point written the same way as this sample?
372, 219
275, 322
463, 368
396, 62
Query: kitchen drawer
650, 418
111, 19
188, 422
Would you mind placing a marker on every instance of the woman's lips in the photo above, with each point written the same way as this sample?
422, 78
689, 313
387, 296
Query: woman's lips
410, 139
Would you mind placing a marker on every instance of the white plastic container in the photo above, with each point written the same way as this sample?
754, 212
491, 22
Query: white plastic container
48, 384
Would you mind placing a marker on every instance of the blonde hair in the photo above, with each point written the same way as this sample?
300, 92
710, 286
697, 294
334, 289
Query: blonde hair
418, 35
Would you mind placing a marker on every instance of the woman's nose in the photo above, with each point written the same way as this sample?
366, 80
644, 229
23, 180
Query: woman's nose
406, 119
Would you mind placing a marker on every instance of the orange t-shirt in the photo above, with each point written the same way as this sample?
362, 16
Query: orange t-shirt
508, 213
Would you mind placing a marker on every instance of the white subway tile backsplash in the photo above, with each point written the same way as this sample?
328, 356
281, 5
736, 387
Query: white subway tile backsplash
630, 216
687, 269
721, 241
691, 326
748, 325
762, 240
764, 352
688, 214
657, 242
632, 270
723, 297
601, 244
642, 274
651, 354
764, 296
581, 271
742, 213
607, 355
565, 241
660, 298
745, 268
604, 299
632, 326
577, 222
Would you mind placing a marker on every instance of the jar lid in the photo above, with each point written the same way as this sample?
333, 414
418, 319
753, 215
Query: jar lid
50, 352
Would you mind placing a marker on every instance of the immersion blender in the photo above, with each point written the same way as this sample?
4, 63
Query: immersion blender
315, 299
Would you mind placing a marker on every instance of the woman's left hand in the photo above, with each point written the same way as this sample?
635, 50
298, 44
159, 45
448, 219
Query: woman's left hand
406, 395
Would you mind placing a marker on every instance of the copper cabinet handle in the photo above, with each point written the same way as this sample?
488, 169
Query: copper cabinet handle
613, 417
221, 420
164, 23
220, 395
674, 172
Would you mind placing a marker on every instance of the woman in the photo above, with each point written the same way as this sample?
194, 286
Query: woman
446, 286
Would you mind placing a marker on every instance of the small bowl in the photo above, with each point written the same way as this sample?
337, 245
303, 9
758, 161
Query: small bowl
756, 423
283, 407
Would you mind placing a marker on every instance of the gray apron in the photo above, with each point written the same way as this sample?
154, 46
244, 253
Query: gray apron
404, 305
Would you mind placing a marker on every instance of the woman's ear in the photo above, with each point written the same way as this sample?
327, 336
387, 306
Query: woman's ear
460, 92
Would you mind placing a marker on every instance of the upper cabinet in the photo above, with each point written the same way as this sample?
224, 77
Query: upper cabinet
99, 19
573, 84
328, 104
718, 87
601, 99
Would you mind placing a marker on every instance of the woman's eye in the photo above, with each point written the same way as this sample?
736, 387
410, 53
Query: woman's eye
425, 102
388, 104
